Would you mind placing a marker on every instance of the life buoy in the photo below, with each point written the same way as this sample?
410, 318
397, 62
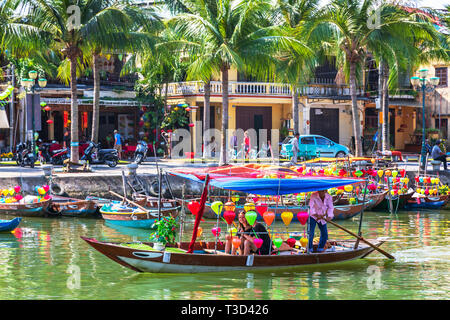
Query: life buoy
154, 188
56, 189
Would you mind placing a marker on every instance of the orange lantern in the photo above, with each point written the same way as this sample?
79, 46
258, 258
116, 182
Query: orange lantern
229, 206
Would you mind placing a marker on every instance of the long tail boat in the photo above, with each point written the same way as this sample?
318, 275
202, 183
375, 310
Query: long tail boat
427, 202
71, 207
30, 206
9, 225
174, 261
132, 217
207, 257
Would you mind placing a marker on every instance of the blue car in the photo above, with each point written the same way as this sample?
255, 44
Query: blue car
314, 145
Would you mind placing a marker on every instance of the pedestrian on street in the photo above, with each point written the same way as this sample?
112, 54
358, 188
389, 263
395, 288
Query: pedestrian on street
295, 149
118, 143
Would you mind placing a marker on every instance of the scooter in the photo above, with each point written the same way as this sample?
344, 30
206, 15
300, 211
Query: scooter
52, 152
101, 156
141, 151
24, 156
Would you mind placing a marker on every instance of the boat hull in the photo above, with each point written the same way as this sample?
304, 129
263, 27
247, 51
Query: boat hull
427, 202
37, 209
9, 225
140, 220
171, 262
70, 207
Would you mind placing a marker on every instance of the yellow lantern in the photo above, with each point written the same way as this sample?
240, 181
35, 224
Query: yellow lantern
5, 192
249, 206
287, 216
304, 242
229, 206
348, 188
380, 173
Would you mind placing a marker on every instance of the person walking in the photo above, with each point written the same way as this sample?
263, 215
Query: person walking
321, 210
295, 149
438, 155
234, 144
247, 145
118, 143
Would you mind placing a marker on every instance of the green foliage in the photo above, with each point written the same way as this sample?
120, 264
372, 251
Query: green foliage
165, 230
177, 118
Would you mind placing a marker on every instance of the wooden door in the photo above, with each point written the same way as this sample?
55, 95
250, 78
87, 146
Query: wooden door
325, 122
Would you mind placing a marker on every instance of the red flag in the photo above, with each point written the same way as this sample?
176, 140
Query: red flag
199, 215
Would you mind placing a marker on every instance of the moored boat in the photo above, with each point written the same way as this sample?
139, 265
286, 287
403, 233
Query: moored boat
201, 261
9, 225
71, 207
29, 206
426, 202
132, 217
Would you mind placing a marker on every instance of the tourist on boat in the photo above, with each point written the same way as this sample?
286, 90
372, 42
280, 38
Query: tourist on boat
321, 210
246, 233
438, 155
295, 148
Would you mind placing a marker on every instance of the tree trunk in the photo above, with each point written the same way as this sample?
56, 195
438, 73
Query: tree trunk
384, 105
96, 102
74, 141
223, 151
355, 111
295, 109
206, 116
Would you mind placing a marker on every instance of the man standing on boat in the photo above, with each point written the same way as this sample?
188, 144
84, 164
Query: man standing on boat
320, 211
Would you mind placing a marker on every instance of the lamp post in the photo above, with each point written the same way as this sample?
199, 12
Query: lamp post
30, 86
427, 85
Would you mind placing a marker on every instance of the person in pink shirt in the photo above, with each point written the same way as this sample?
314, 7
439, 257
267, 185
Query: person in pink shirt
320, 211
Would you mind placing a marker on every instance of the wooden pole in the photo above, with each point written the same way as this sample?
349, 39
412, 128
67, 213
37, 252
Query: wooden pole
124, 187
159, 194
390, 195
125, 199
363, 240
362, 213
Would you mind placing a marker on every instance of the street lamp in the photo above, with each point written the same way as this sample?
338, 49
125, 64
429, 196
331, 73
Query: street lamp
427, 85
30, 86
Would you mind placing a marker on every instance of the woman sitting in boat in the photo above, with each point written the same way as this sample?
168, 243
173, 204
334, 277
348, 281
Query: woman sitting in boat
321, 211
247, 234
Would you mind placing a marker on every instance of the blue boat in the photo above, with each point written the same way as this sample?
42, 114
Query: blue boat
9, 225
427, 202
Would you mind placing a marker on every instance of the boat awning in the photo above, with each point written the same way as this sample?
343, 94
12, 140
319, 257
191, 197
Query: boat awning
263, 179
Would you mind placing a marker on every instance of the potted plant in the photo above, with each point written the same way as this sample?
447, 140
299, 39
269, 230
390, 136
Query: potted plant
165, 232
432, 133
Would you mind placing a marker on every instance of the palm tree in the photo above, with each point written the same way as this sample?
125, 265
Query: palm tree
294, 67
347, 28
229, 34
70, 27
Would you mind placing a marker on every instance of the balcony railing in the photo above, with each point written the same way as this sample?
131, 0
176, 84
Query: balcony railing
283, 90
115, 103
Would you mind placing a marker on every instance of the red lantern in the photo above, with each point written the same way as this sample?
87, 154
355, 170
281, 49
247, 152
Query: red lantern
188, 109
191, 125
49, 121
229, 216
47, 108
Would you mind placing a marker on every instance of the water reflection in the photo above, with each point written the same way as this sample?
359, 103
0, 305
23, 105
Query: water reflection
35, 260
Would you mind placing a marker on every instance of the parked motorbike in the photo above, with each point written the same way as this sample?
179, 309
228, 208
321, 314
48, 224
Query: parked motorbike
95, 155
141, 151
52, 153
24, 156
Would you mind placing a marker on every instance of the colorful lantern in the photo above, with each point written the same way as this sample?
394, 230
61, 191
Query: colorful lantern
258, 242
229, 216
229, 206
199, 231
251, 217
277, 242
235, 198
302, 217
291, 242
287, 216
17, 189
194, 207
216, 231
261, 208
236, 242
380, 173
217, 207
348, 188
249, 206
268, 217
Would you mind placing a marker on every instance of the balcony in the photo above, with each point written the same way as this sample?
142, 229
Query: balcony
114, 103
314, 91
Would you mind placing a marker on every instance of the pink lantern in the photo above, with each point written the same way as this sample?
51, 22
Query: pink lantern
17, 189
49, 121
261, 208
46, 187
191, 125
302, 216
216, 231
258, 242
18, 197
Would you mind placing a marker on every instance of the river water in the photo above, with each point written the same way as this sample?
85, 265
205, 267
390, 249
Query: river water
46, 259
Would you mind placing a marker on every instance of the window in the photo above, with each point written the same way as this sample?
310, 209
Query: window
307, 140
322, 141
442, 74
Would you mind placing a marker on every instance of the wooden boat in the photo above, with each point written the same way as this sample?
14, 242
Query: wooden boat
349, 211
403, 198
9, 225
130, 217
169, 205
71, 207
202, 261
427, 202
27, 208
376, 197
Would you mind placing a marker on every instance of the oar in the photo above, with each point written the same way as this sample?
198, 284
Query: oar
362, 239
124, 198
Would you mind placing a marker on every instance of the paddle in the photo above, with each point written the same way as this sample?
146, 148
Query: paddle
362, 239
124, 198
